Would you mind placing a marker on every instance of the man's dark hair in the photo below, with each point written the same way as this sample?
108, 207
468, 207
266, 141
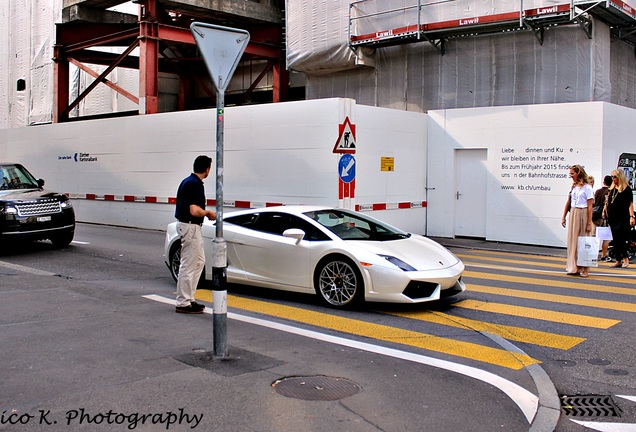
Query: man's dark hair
201, 163
607, 180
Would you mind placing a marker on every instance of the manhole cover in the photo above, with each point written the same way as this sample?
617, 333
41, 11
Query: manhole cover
589, 406
319, 388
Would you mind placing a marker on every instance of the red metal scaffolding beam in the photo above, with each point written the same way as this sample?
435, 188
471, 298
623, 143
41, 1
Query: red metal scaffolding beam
74, 43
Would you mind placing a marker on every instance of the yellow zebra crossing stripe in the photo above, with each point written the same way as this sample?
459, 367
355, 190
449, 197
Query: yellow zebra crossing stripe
482, 252
466, 259
538, 314
384, 333
550, 340
557, 283
571, 282
555, 298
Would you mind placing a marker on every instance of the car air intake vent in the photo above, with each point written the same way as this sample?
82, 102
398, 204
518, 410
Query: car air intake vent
39, 208
417, 290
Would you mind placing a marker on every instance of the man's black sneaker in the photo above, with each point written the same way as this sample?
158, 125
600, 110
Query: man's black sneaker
191, 309
197, 305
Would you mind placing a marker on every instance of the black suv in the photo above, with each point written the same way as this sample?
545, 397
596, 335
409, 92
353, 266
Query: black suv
28, 212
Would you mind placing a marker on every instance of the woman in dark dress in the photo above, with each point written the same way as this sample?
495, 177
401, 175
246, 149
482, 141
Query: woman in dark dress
620, 216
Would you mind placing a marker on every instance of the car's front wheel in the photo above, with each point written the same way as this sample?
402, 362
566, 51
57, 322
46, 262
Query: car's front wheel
63, 239
338, 282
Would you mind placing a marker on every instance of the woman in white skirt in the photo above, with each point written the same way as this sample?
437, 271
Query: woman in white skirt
579, 204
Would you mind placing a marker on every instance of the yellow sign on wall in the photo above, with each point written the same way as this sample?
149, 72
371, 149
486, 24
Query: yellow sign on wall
387, 163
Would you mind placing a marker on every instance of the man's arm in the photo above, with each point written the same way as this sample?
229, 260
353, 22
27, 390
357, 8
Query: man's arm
197, 211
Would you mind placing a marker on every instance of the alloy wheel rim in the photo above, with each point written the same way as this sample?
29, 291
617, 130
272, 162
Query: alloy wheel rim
338, 283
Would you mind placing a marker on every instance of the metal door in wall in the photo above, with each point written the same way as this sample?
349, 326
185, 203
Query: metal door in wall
471, 175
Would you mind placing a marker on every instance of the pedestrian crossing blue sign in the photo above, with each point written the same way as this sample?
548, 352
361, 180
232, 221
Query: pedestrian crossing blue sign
347, 168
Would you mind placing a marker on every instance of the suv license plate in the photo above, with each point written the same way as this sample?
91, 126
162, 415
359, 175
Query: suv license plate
44, 218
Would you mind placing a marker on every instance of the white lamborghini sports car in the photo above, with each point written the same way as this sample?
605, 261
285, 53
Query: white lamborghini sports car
343, 256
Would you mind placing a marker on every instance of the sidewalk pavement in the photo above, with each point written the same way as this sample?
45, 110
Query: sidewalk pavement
82, 356
475, 243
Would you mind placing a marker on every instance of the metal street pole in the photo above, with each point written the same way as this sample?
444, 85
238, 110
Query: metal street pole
219, 269
222, 48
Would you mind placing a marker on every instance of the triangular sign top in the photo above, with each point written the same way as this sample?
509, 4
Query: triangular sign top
222, 48
346, 142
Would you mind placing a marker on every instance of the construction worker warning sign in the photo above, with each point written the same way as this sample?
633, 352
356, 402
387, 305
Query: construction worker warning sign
346, 142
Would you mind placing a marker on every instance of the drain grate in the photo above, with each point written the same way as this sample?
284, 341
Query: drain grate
589, 406
316, 388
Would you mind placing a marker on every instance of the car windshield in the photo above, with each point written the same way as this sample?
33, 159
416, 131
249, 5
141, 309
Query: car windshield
352, 226
16, 177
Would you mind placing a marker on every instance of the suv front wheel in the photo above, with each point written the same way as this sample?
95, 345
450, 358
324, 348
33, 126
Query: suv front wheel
63, 239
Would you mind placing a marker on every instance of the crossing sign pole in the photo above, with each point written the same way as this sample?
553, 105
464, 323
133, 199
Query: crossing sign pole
221, 48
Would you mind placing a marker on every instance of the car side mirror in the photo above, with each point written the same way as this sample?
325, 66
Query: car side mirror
296, 233
40, 183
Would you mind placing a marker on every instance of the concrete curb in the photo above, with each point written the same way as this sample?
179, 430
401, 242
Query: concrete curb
549, 408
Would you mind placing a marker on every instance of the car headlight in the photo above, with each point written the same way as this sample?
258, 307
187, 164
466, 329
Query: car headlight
7, 209
398, 263
66, 204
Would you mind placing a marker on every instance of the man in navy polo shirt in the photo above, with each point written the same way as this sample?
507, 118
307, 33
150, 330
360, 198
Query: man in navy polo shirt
190, 213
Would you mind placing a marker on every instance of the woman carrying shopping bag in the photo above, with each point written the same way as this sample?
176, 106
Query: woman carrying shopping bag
579, 204
620, 216
600, 200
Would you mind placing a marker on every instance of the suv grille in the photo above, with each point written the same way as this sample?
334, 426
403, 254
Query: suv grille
39, 208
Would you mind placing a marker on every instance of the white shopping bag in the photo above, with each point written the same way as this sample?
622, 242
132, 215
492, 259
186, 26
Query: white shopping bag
604, 233
587, 252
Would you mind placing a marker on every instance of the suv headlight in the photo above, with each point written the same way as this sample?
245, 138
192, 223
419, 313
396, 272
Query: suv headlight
8, 209
66, 204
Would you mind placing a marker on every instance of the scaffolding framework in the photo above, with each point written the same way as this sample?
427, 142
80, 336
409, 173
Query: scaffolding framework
161, 36
376, 25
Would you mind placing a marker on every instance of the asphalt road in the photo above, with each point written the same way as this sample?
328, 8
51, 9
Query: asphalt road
575, 332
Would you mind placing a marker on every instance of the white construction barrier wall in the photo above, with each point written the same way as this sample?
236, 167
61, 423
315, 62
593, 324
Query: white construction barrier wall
502, 173
497, 173
126, 171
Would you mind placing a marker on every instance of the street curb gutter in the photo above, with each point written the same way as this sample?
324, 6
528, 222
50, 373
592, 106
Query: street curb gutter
549, 408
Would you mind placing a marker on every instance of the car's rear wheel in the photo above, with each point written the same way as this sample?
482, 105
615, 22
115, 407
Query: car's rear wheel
174, 261
338, 282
